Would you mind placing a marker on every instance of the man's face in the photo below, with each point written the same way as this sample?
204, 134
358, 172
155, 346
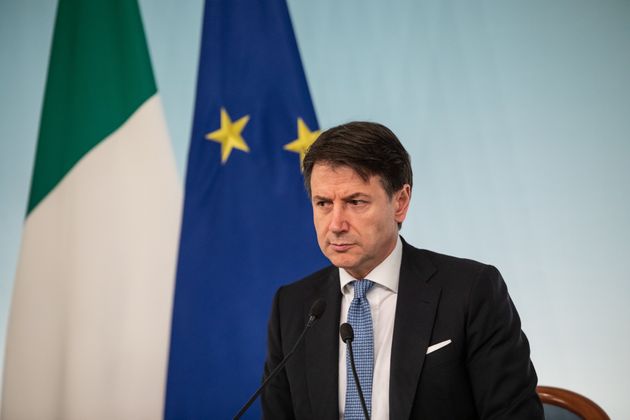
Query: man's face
355, 220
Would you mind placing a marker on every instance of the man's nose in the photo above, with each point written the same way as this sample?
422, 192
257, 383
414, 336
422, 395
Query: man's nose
339, 223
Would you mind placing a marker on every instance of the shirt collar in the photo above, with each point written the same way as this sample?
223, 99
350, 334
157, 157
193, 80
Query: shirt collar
385, 274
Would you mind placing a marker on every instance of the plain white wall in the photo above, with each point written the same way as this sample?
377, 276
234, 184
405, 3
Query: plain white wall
516, 115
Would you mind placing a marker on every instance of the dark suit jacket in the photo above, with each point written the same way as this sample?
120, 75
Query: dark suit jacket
484, 373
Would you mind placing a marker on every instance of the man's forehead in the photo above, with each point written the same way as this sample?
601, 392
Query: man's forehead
326, 176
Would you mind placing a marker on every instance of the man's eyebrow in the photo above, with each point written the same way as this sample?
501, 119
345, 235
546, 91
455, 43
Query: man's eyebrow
356, 195
320, 198
352, 196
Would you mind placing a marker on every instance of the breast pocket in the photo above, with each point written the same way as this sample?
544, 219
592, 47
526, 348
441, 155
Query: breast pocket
444, 372
442, 353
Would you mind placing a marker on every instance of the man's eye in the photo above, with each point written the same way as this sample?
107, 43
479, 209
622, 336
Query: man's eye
357, 202
321, 203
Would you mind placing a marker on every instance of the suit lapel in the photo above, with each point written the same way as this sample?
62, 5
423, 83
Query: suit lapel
322, 351
415, 313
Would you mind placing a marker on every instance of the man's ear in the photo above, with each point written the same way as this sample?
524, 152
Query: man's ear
402, 198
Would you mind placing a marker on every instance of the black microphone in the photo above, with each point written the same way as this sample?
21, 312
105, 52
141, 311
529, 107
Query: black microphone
317, 310
347, 335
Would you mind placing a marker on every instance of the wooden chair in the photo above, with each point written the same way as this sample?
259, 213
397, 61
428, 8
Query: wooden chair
571, 401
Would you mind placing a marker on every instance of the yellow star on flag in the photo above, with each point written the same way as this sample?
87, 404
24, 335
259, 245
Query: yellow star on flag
229, 135
305, 138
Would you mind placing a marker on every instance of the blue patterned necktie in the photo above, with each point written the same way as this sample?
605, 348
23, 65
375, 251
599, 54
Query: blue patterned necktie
360, 318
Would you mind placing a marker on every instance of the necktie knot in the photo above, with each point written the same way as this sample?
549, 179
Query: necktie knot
361, 287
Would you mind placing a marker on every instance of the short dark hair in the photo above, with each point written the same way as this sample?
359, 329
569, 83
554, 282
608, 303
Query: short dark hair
366, 147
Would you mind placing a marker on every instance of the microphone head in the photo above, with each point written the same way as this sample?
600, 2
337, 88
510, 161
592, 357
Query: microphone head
346, 332
317, 309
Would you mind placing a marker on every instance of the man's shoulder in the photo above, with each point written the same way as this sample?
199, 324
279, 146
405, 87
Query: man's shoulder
443, 263
440, 260
458, 278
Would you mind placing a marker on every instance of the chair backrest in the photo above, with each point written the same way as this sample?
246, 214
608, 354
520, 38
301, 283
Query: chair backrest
571, 401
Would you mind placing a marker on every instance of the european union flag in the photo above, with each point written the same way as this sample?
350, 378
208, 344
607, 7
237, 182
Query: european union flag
247, 224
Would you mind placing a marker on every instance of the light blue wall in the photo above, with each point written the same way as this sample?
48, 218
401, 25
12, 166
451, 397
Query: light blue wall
516, 115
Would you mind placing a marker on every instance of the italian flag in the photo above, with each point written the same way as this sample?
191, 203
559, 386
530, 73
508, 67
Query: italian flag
90, 318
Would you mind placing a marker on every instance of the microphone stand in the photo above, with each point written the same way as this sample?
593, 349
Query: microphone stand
315, 313
356, 381
271, 375
347, 335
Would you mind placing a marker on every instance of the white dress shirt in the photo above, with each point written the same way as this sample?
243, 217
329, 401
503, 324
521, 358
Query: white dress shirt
382, 297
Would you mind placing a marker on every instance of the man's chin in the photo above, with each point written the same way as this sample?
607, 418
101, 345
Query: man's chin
342, 261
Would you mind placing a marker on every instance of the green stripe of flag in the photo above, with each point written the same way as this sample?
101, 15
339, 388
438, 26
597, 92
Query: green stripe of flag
99, 74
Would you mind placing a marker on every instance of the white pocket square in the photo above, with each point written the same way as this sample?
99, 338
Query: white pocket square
438, 346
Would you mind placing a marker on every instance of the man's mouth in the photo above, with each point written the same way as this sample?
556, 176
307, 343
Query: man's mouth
340, 246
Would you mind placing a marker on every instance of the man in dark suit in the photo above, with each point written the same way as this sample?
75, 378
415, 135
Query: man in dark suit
438, 336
